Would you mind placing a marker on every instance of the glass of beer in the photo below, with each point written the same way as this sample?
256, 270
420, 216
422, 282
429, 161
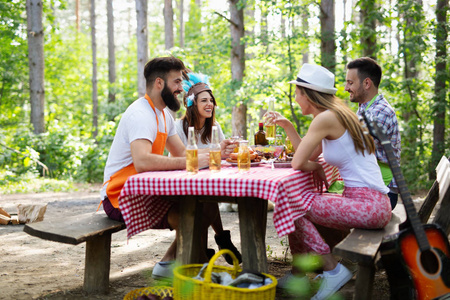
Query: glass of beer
243, 156
215, 156
270, 127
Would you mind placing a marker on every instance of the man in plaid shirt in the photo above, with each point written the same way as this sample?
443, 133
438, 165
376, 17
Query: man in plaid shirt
363, 78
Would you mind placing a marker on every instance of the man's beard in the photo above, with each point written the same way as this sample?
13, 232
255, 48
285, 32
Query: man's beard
169, 99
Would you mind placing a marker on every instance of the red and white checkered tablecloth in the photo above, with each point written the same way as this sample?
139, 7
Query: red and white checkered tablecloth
290, 190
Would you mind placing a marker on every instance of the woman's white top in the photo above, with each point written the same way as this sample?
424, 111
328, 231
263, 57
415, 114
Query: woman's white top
356, 169
200, 145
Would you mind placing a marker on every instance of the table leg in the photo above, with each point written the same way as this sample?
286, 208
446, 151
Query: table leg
252, 224
189, 230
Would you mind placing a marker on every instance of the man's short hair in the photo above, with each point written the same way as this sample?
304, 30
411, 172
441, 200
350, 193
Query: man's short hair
367, 68
160, 67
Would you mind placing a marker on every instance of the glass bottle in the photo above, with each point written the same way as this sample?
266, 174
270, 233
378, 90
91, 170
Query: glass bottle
270, 127
260, 136
289, 147
215, 156
243, 156
279, 140
191, 153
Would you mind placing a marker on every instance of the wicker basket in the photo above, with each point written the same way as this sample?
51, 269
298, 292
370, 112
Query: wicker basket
187, 288
162, 291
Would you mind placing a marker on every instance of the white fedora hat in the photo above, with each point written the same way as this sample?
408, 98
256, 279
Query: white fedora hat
316, 78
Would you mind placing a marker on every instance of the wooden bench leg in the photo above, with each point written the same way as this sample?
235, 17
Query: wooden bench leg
364, 282
97, 264
252, 224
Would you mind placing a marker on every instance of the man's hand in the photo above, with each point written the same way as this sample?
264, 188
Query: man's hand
227, 147
203, 160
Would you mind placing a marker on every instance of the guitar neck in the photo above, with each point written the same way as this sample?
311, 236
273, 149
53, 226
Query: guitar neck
411, 212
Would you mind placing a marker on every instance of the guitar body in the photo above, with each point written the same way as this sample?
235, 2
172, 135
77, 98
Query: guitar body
414, 274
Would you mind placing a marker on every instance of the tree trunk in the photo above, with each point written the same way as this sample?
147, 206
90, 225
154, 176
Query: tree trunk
36, 64
368, 32
94, 73
77, 15
305, 27
440, 89
239, 125
168, 24
142, 44
181, 9
327, 27
111, 53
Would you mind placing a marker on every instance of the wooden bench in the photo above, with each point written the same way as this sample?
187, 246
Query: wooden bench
361, 245
96, 231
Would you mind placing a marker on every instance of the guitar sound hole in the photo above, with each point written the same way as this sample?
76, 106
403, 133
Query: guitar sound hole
430, 262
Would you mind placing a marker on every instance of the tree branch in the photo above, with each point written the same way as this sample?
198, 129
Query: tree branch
229, 21
44, 167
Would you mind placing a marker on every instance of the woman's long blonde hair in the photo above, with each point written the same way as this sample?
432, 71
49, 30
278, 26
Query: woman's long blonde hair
345, 115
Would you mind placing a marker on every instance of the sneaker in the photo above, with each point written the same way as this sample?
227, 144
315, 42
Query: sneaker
332, 283
210, 253
163, 270
224, 242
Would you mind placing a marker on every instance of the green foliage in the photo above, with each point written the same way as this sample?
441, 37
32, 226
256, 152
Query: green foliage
274, 54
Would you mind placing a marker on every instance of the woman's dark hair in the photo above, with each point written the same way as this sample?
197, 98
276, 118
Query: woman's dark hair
191, 118
160, 67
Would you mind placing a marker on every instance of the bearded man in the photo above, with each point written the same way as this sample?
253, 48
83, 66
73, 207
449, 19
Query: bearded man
145, 130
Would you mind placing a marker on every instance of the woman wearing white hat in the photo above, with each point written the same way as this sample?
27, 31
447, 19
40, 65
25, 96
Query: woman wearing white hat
335, 131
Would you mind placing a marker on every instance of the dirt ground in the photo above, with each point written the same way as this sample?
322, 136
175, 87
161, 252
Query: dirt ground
32, 268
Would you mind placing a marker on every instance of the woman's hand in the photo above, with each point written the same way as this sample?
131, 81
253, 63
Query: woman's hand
319, 178
227, 147
277, 118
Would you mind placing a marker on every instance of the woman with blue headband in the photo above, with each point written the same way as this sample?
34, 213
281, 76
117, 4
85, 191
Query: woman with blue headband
200, 113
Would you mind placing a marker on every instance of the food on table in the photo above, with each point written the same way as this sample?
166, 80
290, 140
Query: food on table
254, 157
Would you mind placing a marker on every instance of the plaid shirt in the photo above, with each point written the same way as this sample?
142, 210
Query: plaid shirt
386, 118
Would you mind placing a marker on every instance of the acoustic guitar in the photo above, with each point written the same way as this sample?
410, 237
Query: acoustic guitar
417, 258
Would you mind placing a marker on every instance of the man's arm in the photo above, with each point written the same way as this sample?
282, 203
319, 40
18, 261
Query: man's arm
144, 160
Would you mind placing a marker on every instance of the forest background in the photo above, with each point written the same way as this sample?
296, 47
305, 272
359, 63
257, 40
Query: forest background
69, 69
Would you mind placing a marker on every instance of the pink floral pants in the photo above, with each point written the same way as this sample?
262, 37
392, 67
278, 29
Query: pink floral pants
355, 208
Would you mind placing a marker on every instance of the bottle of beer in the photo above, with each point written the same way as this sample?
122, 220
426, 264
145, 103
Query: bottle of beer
260, 136
191, 153
215, 157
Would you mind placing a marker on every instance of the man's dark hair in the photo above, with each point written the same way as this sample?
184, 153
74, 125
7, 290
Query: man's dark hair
367, 67
160, 67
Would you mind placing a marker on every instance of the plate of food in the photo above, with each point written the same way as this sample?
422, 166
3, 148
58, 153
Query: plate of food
285, 162
255, 159
282, 164
252, 164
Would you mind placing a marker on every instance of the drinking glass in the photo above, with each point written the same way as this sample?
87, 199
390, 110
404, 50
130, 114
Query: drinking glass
243, 156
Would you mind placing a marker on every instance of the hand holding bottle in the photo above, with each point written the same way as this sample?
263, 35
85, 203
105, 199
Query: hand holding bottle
276, 118
227, 147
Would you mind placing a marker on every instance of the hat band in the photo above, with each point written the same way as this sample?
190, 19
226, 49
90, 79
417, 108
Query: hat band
301, 80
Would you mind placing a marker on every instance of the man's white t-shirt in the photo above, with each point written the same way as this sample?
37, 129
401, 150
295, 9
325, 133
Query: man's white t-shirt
137, 122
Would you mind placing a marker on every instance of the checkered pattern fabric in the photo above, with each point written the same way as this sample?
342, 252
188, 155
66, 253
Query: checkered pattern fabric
290, 190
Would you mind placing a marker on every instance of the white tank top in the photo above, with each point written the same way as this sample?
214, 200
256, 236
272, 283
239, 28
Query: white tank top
356, 170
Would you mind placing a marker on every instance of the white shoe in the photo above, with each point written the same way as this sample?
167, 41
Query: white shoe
163, 270
332, 283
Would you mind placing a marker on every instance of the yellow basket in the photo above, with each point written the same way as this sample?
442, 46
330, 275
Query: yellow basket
187, 288
162, 291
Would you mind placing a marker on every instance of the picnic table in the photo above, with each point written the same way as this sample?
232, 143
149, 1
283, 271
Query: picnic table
289, 189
